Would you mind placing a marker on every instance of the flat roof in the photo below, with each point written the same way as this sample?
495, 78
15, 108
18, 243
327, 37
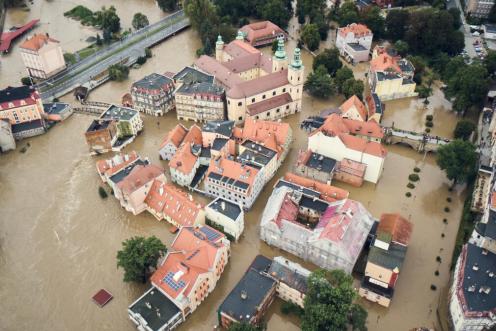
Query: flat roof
248, 295
55, 107
321, 162
389, 259
221, 127
357, 47
260, 263
119, 113
190, 75
200, 88
155, 308
116, 178
153, 81
479, 266
15, 93
226, 207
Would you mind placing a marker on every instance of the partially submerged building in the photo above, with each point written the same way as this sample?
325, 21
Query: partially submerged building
354, 41
227, 216
153, 94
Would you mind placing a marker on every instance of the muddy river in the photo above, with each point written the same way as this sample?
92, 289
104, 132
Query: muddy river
58, 239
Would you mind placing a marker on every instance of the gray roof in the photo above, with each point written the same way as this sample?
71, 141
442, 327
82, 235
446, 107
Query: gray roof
388, 75
55, 107
25, 126
256, 286
153, 81
158, 303
357, 47
221, 127
226, 207
192, 75
97, 125
306, 191
321, 163
491, 28
254, 158
313, 204
475, 281
490, 228
204, 88
260, 263
116, 178
289, 276
389, 259
15, 93
405, 65
219, 143
377, 103
119, 113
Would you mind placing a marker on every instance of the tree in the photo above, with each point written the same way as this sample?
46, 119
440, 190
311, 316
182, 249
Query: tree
26, 81
329, 301
140, 21
347, 13
342, 75
243, 327
464, 129
319, 83
490, 62
401, 47
352, 87
457, 20
108, 20
168, 5
148, 52
458, 159
396, 23
329, 58
310, 36
118, 72
372, 18
358, 317
139, 256
468, 86
276, 12
99, 40
275, 44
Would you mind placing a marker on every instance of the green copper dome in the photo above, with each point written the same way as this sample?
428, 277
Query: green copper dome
280, 53
219, 40
240, 35
297, 64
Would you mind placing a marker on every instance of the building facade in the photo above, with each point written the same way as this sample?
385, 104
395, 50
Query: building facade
478, 8
257, 86
153, 95
7, 142
101, 136
263, 33
354, 41
42, 56
21, 104
172, 142
200, 102
226, 215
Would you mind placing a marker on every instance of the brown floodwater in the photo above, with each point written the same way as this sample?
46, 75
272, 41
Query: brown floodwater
58, 239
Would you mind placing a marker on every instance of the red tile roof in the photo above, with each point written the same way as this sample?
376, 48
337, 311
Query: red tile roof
111, 166
385, 62
364, 146
259, 30
247, 62
183, 161
139, 176
263, 106
37, 41
272, 135
359, 30
335, 125
337, 221
193, 136
398, 227
239, 48
173, 202
221, 73
175, 136
288, 211
256, 86
327, 192
354, 102
232, 169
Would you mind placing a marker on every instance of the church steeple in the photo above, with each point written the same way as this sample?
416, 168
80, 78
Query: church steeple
240, 35
297, 64
280, 53
219, 49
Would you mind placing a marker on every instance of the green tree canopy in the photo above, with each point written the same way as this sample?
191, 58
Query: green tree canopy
358, 318
329, 301
396, 23
372, 18
139, 256
401, 47
342, 75
329, 58
140, 21
464, 129
276, 12
108, 19
319, 83
168, 5
468, 86
347, 13
490, 62
352, 87
243, 327
310, 36
310, 8
458, 160
118, 72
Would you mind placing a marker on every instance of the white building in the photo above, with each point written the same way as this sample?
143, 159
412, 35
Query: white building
227, 215
7, 141
291, 279
42, 56
129, 120
354, 42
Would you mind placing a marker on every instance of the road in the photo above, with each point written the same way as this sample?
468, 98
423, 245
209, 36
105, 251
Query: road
127, 50
465, 28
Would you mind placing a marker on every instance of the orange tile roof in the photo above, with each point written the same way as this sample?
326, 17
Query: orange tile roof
493, 199
192, 254
398, 227
327, 192
111, 166
37, 41
247, 62
232, 169
172, 202
335, 125
139, 176
359, 30
355, 102
272, 135
384, 62
238, 48
175, 136
193, 136
183, 160
258, 30
364, 146
288, 211
337, 221
210, 66
259, 85
237, 133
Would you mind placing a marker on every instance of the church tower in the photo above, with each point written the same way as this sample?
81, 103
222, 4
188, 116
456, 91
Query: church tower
279, 60
296, 71
219, 49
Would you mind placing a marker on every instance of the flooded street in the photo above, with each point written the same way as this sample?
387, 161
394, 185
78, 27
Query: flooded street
59, 240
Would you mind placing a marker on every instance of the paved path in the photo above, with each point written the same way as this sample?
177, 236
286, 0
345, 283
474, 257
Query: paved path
125, 51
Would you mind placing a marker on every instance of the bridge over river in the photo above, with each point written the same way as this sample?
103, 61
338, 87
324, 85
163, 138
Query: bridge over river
92, 71
421, 142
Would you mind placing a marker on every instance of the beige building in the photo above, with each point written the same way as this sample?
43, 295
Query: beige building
257, 86
42, 56
227, 215
478, 8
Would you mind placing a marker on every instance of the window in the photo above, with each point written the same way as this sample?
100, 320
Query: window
253, 100
240, 103
287, 106
283, 90
277, 110
263, 96
240, 118
256, 117
274, 93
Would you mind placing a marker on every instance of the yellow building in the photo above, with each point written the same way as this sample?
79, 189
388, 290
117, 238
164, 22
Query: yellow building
257, 86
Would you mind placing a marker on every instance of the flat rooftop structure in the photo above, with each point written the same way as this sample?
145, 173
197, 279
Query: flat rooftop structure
226, 207
289, 273
298, 188
124, 172
15, 93
97, 125
221, 127
387, 76
153, 81
55, 107
390, 259
385, 292
191, 75
357, 47
321, 162
260, 263
119, 113
25, 126
155, 308
201, 88
248, 295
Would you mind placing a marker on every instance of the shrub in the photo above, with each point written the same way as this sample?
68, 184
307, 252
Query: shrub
26, 81
446, 209
433, 287
429, 118
408, 194
413, 177
436, 272
445, 221
416, 169
141, 60
101, 191
438, 259
429, 124
290, 308
442, 235
410, 185
449, 199
148, 52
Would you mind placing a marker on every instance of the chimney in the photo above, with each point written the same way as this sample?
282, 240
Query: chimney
223, 205
244, 295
